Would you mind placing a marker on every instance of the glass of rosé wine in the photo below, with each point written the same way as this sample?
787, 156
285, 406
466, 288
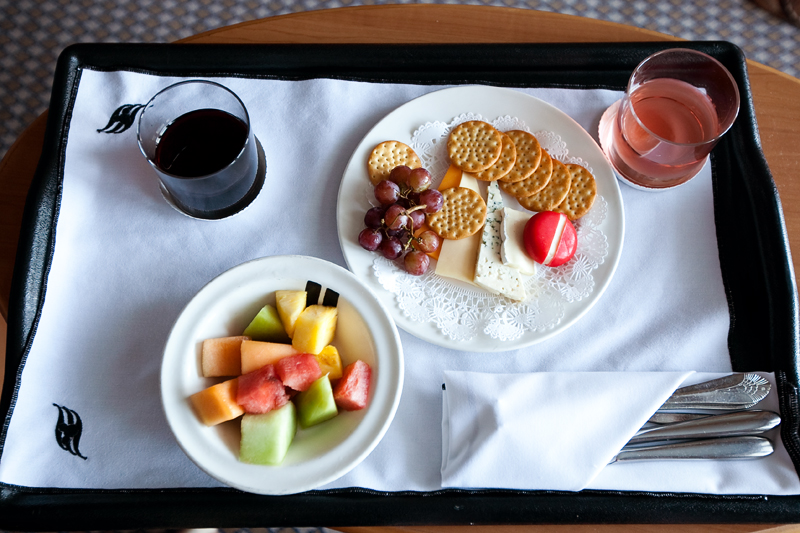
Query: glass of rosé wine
677, 105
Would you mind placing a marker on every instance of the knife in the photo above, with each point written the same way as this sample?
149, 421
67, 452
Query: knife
736, 424
724, 448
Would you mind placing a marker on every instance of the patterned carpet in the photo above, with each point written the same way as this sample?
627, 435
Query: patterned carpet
33, 32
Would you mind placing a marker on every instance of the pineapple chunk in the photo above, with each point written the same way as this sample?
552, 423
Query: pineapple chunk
329, 362
314, 329
290, 304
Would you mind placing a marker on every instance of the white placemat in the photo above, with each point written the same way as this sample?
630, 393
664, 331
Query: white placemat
126, 263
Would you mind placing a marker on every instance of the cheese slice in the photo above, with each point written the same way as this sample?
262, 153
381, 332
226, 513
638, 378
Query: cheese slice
490, 272
512, 251
457, 258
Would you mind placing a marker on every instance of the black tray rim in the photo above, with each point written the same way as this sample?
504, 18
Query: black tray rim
572, 65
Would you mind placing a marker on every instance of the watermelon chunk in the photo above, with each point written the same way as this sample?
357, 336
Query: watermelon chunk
261, 391
352, 391
298, 371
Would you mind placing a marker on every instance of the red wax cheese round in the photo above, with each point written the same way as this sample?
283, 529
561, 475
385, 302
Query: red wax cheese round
550, 238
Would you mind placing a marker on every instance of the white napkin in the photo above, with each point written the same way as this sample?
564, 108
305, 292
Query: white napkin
548, 430
125, 264
560, 430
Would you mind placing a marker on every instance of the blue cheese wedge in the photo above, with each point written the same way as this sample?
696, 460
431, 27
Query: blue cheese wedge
490, 272
512, 251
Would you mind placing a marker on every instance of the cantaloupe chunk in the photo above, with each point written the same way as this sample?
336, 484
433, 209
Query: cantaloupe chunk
256, 354
330, 362
222, 356
314, 328
217, 403
290, 304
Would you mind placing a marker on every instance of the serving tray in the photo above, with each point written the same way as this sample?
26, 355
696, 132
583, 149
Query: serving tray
753, 252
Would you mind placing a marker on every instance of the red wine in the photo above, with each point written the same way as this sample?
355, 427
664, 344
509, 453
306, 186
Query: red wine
200, 143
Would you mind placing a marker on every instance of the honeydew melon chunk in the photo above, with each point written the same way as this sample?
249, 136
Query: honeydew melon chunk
267, 326
290, 304
266, 437
315, 328
316, 404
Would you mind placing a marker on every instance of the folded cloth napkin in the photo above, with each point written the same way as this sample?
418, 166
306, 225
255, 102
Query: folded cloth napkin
545, 430
559, 430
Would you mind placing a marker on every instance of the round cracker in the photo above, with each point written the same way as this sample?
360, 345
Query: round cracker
553, 194
533, 183
503, 165
582, 193
462, 214
474, 145
529, 155
387, 155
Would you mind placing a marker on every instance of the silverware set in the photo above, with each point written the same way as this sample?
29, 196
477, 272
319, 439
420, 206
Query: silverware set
710, 420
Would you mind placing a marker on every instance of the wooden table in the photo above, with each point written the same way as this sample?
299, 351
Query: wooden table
776, 97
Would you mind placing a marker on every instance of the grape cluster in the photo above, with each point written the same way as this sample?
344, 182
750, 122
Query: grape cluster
405, 199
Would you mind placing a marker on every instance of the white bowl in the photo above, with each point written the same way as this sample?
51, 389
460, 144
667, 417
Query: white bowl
319, 454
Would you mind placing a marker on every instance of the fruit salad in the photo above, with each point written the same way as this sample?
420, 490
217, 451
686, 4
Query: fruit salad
282, 373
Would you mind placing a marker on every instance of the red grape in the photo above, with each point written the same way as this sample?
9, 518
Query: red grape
433, 199
427, 241
417, 218
400, 174
416, 262
387, 192
374, 217
395, 217
419, 179
370, 239
391, 248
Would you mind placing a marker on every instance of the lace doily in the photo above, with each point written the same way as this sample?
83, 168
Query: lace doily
461, 313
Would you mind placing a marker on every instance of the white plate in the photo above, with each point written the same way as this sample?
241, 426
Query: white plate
319, 454
490, 103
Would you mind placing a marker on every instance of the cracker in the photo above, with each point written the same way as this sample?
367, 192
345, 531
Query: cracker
474, 145
529, 155
503, 165
386, 156
462, 214
582, 193
533, 183
554, 193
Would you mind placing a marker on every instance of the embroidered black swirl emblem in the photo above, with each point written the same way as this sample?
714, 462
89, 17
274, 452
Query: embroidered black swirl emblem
68, 430
121, 119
